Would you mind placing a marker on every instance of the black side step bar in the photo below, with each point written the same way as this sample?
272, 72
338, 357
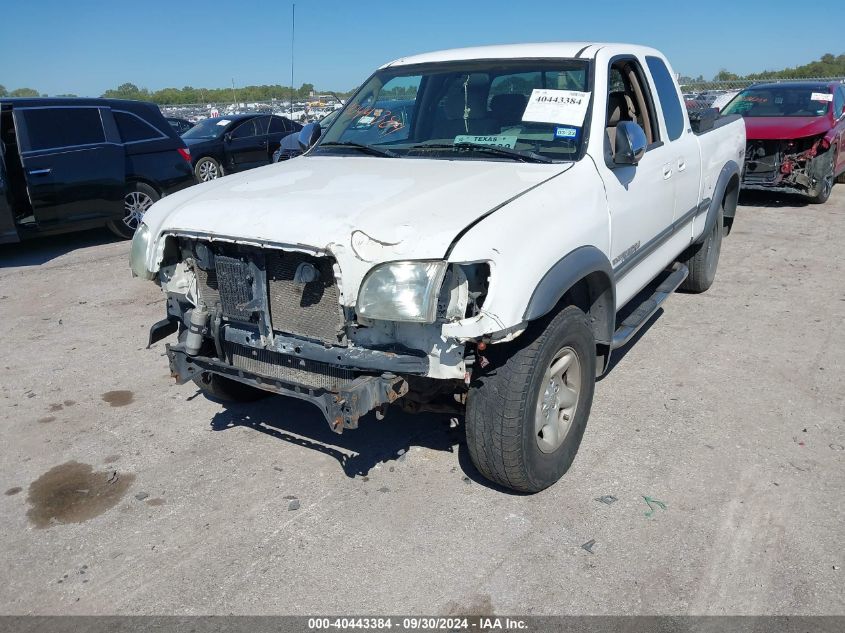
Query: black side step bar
647, 308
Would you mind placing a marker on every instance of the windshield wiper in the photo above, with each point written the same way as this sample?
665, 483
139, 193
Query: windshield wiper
370, 149
529, 157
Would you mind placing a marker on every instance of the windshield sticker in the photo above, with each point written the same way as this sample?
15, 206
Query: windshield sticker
821, 96
567, 107
567, 132
496, 140
224, 122
366, 120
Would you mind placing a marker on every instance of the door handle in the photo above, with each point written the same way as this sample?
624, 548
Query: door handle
682, 164
667, 171
40, 172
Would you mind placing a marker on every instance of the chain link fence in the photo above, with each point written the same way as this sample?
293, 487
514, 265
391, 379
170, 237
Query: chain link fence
709, 94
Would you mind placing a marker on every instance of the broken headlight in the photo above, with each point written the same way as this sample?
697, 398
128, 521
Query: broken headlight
402, 291
138, 253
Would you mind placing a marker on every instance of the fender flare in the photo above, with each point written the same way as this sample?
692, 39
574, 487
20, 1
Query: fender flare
729, 171
568, 271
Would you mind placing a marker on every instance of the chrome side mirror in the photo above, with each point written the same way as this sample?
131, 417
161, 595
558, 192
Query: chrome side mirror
631, 143
309, 134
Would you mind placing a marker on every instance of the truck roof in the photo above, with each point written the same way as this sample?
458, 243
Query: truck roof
538, 50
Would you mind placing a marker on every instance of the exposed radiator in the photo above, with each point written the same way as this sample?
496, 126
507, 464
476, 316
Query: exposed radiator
309, 309
312, 309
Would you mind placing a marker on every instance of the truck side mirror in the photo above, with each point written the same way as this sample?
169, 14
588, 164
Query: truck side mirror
309, 134
631, 143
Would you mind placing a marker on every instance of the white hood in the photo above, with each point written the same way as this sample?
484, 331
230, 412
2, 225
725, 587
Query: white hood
364, 210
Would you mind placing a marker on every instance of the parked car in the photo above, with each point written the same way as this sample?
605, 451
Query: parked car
483, 257
73, 164
180, 125
796, 135
222, 145
290, 146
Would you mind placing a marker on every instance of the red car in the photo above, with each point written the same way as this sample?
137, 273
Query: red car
796, 136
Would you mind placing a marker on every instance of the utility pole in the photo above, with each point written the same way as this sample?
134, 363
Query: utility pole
292, 34
234, 96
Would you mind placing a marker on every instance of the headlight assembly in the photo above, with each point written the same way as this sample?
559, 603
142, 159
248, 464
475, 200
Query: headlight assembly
402, 291
138, 253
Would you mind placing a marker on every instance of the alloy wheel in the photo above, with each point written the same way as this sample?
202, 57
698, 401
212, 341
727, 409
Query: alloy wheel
135, 205
558, 400
208, 171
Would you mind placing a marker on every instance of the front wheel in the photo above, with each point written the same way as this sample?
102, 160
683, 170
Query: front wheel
527, 413
137, 200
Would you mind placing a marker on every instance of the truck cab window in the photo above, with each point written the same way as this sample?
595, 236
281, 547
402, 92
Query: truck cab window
673, 113
629, 99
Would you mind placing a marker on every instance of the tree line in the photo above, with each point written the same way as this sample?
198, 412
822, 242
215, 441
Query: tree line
189, 94
828, 66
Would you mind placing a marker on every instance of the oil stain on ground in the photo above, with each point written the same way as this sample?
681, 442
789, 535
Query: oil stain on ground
73, 493
118, 398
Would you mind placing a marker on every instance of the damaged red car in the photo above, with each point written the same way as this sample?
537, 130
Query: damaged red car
796, 134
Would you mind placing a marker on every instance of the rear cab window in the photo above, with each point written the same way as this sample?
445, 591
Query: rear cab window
667, 94
61, 127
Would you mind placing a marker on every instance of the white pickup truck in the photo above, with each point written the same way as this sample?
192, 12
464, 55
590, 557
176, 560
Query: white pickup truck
474, 234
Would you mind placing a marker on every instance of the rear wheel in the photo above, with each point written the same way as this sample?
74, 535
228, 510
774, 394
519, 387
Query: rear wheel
219, 387
137, 200
527, 413
207, 169
826, 179
703, 259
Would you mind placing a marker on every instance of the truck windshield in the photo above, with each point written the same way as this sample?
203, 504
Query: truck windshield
778, 102
524, 110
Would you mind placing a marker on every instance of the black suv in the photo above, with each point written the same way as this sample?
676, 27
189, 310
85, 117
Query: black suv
72, 164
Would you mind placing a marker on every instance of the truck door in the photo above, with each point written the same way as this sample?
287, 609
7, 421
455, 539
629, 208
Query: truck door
74, 170
684, 148
640, 197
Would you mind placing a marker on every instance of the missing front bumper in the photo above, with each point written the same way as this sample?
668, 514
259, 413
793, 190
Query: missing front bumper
342, 405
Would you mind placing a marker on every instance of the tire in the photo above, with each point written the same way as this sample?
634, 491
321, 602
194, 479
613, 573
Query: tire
827, 180
225, 389
512, 411
703, 259
207, 169
138, 199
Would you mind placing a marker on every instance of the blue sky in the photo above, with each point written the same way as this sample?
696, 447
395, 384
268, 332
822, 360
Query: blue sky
88, 46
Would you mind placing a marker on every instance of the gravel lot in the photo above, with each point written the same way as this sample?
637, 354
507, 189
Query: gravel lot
728, 409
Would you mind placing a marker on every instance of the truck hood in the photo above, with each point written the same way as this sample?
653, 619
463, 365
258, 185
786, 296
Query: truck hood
784, 128
380, 209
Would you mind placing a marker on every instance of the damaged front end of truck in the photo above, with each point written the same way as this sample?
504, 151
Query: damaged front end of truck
800, 165
273, 318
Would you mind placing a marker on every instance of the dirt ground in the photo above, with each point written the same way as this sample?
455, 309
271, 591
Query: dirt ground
127, 494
